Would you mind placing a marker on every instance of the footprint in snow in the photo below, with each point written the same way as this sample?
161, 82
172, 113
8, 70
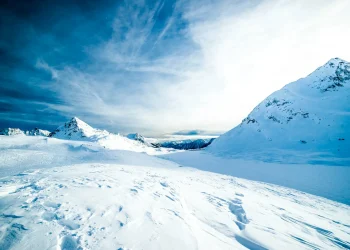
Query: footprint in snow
67, 242
52, 204
235, 207
12, 235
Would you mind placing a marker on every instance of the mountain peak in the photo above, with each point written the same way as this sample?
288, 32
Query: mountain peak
332, 76
75, 129
76, 120
335, 63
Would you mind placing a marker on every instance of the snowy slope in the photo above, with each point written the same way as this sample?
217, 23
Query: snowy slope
309, 115
111, 199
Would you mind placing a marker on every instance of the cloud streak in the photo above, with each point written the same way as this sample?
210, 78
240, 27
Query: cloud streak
165, 66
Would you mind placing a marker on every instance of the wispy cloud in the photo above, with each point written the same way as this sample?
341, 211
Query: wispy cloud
167, 66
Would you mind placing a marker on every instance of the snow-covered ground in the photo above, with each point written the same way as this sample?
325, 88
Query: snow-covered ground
59, 194
330, 181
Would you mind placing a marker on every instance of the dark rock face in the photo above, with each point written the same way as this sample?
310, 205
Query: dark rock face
136, 137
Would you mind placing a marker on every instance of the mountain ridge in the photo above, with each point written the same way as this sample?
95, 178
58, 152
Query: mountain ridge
310, 114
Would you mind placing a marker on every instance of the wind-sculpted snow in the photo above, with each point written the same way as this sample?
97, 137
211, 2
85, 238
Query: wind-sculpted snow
120, 206
310, 115
94, 198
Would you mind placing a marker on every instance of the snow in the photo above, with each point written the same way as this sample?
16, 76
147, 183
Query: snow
76, 129
311, 115
97, 198
11, 131
328, 181
37, 132
17, 131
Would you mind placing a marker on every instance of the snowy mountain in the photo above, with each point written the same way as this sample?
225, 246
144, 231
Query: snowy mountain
76, 129
309, 115
17, 131
37, 132
11, 131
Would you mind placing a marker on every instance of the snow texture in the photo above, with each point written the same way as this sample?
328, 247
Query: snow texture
78, 195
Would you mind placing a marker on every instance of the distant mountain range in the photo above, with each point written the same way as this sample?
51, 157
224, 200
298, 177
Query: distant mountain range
76, 129
17, 131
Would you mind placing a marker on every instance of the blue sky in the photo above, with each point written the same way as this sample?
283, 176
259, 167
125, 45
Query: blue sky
158, 66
